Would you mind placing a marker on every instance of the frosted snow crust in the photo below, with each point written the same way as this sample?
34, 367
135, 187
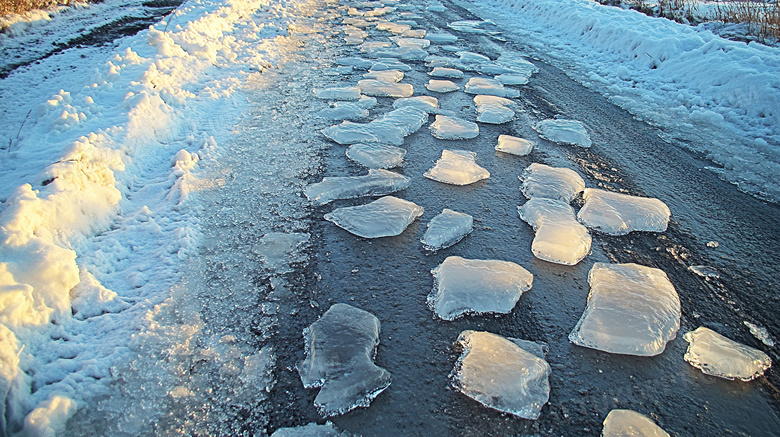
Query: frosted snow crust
376, 155
340, 350
559, 237
465, 286
619, 214
571, 132
384, 217
720, 356
500, 374
390, 129
377, 182
446, 229
539, 180
453, 128
623, 423
514, 145
631, 310
457, 167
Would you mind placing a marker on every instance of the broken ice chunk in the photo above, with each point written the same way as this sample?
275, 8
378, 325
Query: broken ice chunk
344, 111
384, 217
439, 61
559, 237
389, 64
760, 333
446, 229
370, 45
499, 374
514, 145
449, 73
441, 86
412, 43
541, 180
394, 28
494, 110
619, 214
405, 53
442, 37
489, 87
453, 128
512, 79
359, 63
457, 167
473, 286
394, 76
623, 423
378, 182
426, 103
311, 430
390, 129
720, 356
339, 93
379, 88
471, 58
414, 33
562, 131
631, 310
340, 347
376, 155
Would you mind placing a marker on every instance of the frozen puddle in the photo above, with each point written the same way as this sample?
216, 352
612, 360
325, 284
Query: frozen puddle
465, 286
500, 374
619, 214
489, 87
339, 93
340, 347
376, 155
448, 73
541, 180
720, 356
384, 217
494, 110
380, 88
390, 129
394, 76
453, 128
571, 132
559, 237
631, 310
377, 182
446, 229
621, 423
441, 86
425, 103
514, 145
457, 167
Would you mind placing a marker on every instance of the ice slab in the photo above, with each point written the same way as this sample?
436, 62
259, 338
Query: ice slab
379, 88
720, 356
340, 347
457, 167
434, 61
385, 64
489, 87
359, 63
619, 214
415, 33
559, 237
470, 58
405, 53
393, 28
441, 37
412, 43
499, 374
390, 129
453, 128
441, 86
376, 155
512, 79
449, 73
339, 93
344, 111
370, 45
494, 110
311, 430
539, 180
631, 310
472, 26
353, 40
446, 229
384, 217
627, 423
377, 182
473, 286
425, 103
394, 76
571, 132
514, 145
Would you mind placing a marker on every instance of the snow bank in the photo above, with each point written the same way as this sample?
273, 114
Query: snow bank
722, 95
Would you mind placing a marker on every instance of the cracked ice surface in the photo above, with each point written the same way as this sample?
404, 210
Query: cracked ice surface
449, 73
472, 286
494, 110
559, 237
376, 155
339, 93
571, 132
377, 182
380, 88
514, 145
384, 217
619, 214
541, 180
489, 87
631, 310
621, 423
453, 128
720, 356
446, 229
390, 129
500, 374
340, 350
441, 86
457, 167
426, 103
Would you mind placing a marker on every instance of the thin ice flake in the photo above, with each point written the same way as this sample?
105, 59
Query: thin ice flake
377, 182
619, 214
514, 145
720, 356
541, 180
446, 229
376, 155
380, 88
494, 110
489, 87
570, 132
559, 237
457, 167
453, 128
390, 129
384, 217
623, 423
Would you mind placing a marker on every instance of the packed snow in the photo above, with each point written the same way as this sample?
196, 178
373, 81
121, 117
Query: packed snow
467, 286
376, 155
570, 132
389, 129
441, 86
539, 180
446, 229
340, 347
514, 145
720, 356
621, 423
453, 128
499, 374
618, 214
494, 110
457, 167
384, 217
377, 182
490, 87
631, 310
559, 237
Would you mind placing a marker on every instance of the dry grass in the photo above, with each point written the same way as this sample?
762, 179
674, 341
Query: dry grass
762, 19
22, 6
